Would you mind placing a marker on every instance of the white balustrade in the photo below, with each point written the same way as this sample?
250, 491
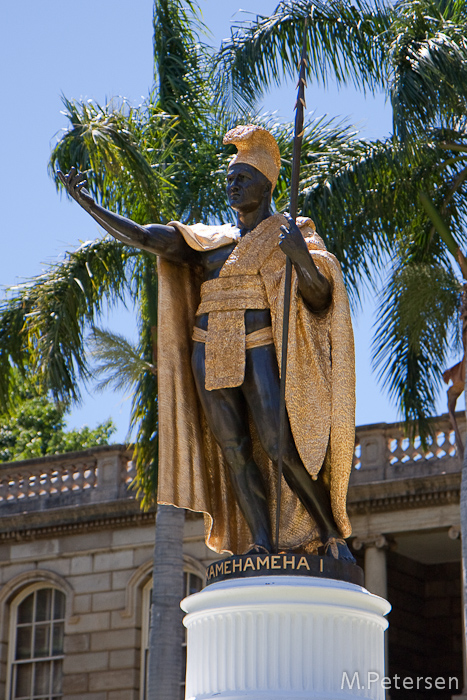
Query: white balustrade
385, 451
104, 473
382, 452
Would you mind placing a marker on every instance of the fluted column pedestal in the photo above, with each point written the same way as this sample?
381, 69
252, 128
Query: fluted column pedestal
283, 638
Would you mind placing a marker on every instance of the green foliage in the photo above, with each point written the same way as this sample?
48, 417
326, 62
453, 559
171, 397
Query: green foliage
428, 57
184, 89
346, 41
35, 427
126, 153
180, 62
418, 319
145, 416
42, 324
119, 361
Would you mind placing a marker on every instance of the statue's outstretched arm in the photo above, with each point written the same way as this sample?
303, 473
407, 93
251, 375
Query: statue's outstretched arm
314, 287
155, 238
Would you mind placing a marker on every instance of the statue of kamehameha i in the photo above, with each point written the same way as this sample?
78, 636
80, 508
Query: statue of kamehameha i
221, 300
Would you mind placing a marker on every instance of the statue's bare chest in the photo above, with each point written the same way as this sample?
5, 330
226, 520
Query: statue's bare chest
212, 260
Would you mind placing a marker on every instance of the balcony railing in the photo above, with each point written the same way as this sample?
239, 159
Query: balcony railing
92, 476
383, 452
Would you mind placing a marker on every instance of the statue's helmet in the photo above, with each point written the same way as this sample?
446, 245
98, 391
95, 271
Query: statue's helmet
257, 147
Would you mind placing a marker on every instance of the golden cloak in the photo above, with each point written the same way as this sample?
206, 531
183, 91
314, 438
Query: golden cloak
320, 391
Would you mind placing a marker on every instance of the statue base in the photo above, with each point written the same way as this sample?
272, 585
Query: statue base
285, 637
283, 564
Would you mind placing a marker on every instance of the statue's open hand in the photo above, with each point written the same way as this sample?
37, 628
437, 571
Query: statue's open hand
75, 184
291, 240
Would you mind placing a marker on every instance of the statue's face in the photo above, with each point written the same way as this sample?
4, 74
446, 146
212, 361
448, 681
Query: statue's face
247, 188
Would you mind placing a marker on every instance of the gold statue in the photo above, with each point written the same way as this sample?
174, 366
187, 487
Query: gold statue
221, 290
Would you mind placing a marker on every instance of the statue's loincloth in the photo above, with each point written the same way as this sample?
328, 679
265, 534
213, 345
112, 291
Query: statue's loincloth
225, 299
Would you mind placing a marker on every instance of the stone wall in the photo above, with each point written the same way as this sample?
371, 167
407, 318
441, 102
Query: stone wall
102, 574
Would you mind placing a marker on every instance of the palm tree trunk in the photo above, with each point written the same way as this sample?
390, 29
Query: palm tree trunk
166, 633
463, 493
463, 512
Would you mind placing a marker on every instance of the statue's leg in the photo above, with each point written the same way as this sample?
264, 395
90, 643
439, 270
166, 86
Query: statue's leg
227, 416
262, 392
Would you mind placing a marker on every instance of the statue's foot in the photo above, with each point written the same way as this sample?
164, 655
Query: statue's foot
338, 548
258, 549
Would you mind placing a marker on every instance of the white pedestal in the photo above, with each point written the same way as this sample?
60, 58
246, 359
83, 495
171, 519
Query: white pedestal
285, 637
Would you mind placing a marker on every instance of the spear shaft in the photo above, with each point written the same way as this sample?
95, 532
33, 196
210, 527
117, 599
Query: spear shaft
297, 148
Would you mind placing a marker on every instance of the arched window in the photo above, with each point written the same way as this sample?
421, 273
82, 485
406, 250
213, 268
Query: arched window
36, 644
192, 583
145, 624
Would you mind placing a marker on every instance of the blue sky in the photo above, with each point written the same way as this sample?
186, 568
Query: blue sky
96, 51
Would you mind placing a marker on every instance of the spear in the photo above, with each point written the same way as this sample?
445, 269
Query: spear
297, 148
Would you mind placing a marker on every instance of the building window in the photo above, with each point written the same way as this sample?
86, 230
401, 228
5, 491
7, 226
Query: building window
192, 583
145, 624
36, 648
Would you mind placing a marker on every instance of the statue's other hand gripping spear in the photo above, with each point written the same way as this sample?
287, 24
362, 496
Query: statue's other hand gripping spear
313, 286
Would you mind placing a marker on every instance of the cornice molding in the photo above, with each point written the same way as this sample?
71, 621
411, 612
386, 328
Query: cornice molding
404, 501
66, 528
74, 520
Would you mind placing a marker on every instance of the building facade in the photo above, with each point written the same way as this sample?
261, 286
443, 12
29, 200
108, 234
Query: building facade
76, 557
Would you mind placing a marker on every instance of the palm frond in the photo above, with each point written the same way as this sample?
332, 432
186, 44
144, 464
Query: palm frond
346, 40
125, 365
126, 153
42, 321
181, 62
119, 361
144, 415
428, 55
418, 312
366, 201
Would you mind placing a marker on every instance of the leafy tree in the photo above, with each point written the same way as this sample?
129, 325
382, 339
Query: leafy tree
35, 426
